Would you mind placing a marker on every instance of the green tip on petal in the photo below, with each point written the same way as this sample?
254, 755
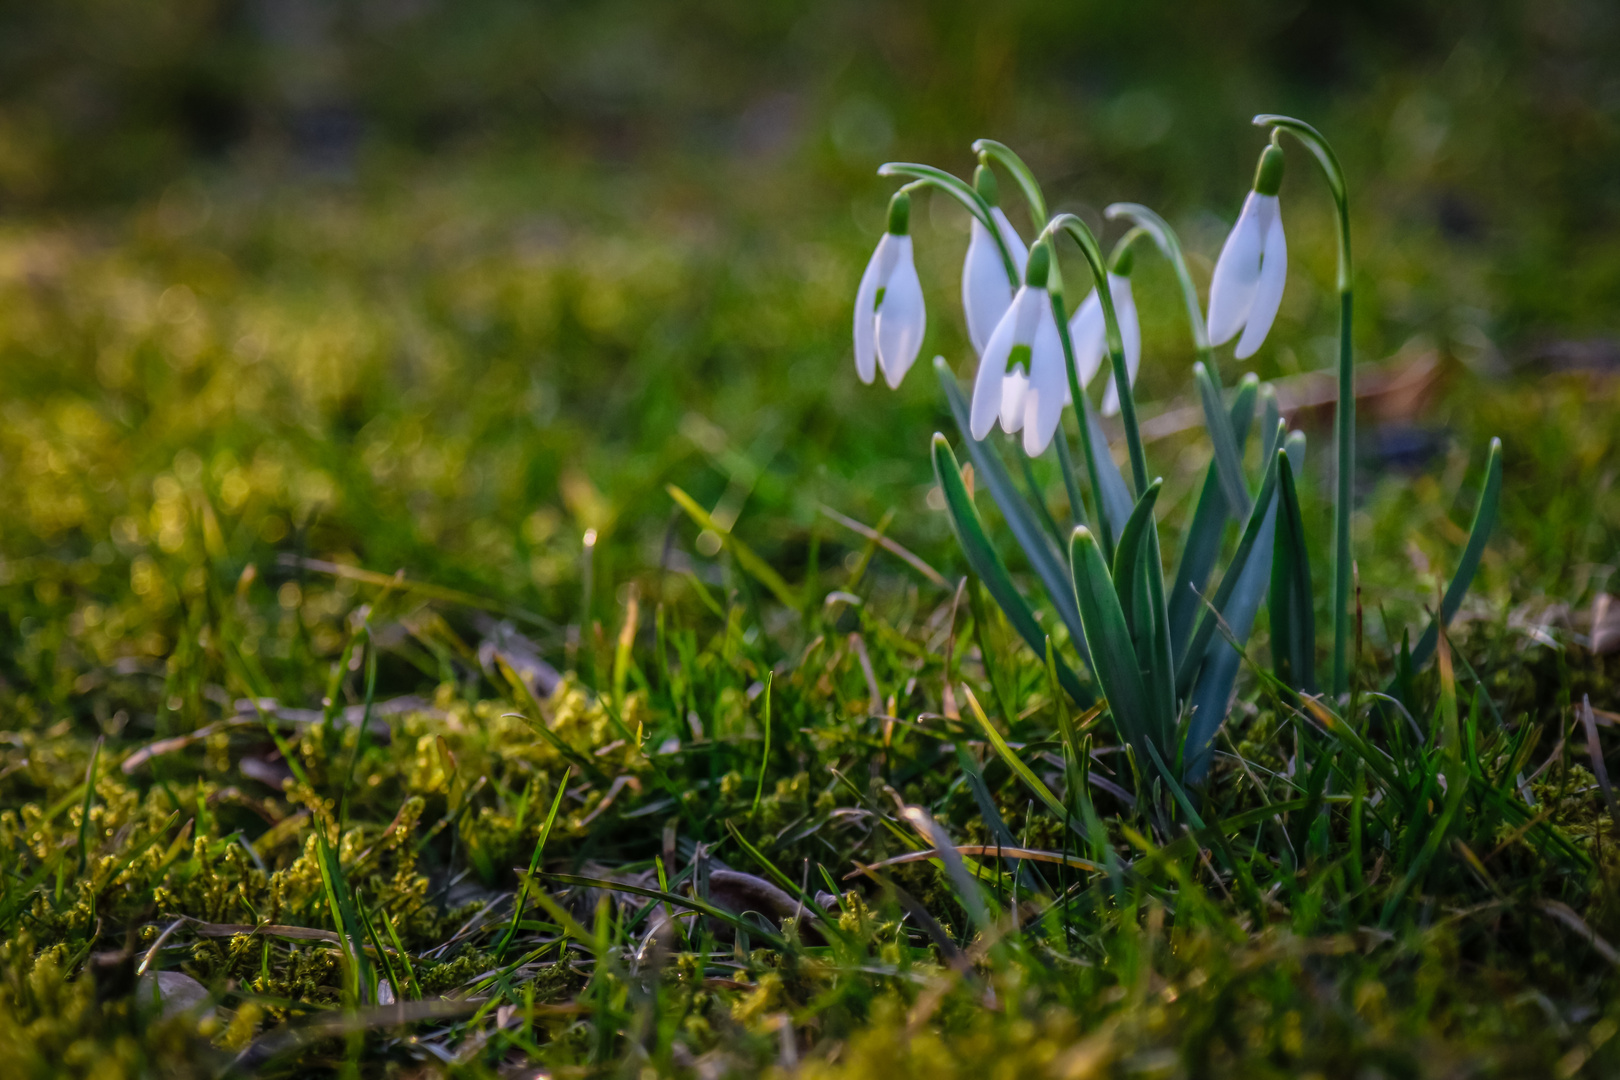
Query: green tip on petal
900, 213
1269, 173
1039, 266
984, 182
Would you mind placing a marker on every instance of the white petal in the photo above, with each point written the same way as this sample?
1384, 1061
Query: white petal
901, 318
1130, 332
986, 406
1086, 334
1017, 327
876, 276
986, 292
1043, 405
1014, 387
866, 318
1273, 276
1237, 272
1010, 237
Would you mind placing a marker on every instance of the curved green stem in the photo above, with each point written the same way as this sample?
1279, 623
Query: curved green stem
1344, 419
1082, 405
1081, 234
1228, 454
1003, 155
1165, 239
963, 193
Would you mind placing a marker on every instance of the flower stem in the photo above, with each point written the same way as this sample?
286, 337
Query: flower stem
1164, 238
1344, 418
963, 193
1004, 155
1081, 234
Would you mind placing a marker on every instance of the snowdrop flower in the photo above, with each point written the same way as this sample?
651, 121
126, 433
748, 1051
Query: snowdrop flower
1249, 275
986, 293
889, 313
1088, 332
1021, 375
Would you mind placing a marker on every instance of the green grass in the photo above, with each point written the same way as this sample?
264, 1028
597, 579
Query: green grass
217, 399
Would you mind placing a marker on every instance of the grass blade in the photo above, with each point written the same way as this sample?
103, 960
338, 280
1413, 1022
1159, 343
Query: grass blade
1022, 771
765, 756
1480, 532
534, 865
89, 802
757, 568
736, 922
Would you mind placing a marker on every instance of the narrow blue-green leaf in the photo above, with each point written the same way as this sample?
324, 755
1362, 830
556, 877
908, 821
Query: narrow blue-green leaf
1113, 654
1130, 549
1202, 544
1468, 566
1114, 500
1046, 560
1217, 673
1293, 622
1212, 693
982, 557
1228, 457
1270, 419
1205, 630
1139, 584
1158, 664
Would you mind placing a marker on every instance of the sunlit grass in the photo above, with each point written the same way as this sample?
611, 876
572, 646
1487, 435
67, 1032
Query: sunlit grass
214, 401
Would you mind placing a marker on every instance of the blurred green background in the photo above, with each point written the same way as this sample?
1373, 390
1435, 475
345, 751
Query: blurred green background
438, 286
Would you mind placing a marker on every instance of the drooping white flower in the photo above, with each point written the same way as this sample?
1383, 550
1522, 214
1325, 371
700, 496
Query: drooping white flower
986, 290
1253, 265
1015, 383
1088, 332
890, 318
